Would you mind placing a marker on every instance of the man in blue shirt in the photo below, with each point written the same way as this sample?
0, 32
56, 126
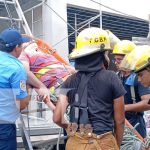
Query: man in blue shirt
13, 92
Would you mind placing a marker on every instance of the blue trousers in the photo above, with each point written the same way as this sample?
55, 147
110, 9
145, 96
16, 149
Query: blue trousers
8, 137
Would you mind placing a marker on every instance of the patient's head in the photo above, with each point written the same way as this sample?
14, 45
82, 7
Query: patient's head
30, 47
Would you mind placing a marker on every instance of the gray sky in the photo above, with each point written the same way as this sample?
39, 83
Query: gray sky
138, 8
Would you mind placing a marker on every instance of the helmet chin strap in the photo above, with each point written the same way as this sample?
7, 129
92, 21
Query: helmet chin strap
106, 60
148, 68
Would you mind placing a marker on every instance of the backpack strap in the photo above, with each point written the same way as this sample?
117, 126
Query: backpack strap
130, 81
132, 89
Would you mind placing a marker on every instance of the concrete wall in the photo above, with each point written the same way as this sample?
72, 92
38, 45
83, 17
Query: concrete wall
55, 28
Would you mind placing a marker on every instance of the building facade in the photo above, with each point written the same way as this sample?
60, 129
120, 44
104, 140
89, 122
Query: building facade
56, 21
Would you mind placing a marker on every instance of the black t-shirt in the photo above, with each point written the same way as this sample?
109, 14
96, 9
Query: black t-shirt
102, 89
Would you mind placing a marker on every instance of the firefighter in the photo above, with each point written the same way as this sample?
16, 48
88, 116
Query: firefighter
95, 96
139, 61
13, 92
136, 92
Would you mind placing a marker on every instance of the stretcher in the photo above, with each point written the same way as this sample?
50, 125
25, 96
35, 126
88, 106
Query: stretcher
46, 48
49, 67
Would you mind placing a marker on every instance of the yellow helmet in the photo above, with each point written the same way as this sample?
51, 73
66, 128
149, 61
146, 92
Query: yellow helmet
89, 41
123, 47
143, 62
113, 39
137, 60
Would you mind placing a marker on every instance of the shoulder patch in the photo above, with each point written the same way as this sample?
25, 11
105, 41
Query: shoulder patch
23, 85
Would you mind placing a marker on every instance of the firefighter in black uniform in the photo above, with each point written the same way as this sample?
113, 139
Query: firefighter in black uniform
95, 96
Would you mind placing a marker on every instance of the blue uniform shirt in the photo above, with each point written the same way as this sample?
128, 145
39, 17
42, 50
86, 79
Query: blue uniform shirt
135, 117
12, 85
140, 90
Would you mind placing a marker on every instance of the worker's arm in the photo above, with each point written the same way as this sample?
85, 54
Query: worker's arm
119, 119
21, 91
70, 69
22, 103
32, 79
39, 87
140, 106
58, 116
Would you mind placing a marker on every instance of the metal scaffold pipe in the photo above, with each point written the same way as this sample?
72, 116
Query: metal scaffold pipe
7, 18
8, 2
21, 15
100, 14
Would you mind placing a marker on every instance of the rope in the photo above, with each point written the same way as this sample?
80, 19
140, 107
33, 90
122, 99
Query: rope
146, 143
130, 140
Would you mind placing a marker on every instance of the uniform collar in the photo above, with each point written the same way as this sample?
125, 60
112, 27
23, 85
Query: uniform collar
130, 79
8, 55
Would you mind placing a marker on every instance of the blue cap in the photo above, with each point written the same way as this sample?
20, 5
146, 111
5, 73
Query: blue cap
26, 39
11, 37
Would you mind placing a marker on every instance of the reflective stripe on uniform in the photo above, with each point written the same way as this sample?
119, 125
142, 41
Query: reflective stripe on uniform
45, 69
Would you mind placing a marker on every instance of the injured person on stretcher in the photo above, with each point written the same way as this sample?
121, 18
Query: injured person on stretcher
45, 72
